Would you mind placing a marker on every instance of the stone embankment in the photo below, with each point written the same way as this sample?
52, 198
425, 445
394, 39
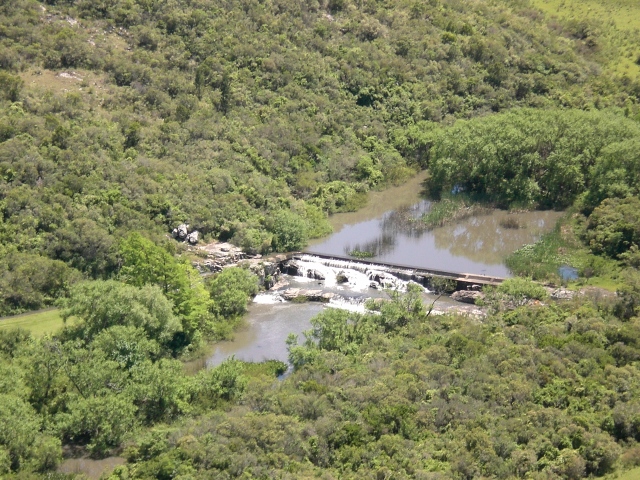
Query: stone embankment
218, 255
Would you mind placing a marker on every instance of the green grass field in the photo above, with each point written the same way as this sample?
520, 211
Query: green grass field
633, 474
37, 323
618, 37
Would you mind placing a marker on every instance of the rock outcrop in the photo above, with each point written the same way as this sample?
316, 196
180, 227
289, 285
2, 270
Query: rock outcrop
192, 238
180, 232
561, 293
300, 294
341, 277
316, 275
220, 255
467, 296
290, 267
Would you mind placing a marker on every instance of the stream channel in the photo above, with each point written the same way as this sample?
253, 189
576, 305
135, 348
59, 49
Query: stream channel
477, 244
388, 227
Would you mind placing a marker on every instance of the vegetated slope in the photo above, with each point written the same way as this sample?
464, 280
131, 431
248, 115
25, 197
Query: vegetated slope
608, 30
535, 392
249, 120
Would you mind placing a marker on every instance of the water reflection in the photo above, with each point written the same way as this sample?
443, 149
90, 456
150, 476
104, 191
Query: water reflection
382, 245
484, 240
477, 244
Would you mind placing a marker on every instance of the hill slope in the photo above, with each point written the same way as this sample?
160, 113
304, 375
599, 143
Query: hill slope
120, 116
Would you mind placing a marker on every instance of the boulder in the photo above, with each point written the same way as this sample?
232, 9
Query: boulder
561, 294
313, 295
291, 293
315, 275
298, 294
267, 272
326, 297
291, 268
467, 296
181, 231
341, 277
192, 238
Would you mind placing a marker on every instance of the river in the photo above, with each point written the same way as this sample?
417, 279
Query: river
477, 244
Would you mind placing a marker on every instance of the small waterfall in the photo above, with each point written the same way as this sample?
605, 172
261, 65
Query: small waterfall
268, 298
354, 276
352, 304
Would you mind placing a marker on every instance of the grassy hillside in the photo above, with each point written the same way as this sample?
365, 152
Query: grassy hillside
608, 29
38, 323
629, 475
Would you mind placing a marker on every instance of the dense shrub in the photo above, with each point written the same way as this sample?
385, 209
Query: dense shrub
536, 158
614, 227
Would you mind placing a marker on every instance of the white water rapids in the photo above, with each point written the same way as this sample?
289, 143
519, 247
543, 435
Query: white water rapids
352, 283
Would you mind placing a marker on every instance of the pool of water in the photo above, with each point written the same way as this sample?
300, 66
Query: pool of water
477, 244
90, 468
389, 227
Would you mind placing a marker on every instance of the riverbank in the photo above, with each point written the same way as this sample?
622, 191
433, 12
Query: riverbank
389, 226
561, 257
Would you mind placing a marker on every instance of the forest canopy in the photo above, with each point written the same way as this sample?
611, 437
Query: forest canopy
249, 120
535, 158
252, 121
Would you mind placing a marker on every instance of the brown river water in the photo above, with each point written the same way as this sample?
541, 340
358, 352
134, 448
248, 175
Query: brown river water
477, 244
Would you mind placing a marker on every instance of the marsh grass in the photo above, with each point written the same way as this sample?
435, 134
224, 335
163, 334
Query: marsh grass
542, 260
450, 210
269, 368
361, 254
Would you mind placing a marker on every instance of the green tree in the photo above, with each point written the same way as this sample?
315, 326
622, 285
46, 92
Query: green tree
18, 431
225, 382
102, 422
290, 231
10, 86
106, 303
231, 290
614, 227
145, 263
127, 345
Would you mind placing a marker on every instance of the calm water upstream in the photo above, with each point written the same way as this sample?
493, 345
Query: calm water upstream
388, 226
